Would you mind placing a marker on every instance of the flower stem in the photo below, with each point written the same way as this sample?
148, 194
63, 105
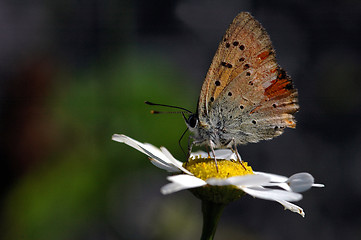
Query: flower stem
211, 215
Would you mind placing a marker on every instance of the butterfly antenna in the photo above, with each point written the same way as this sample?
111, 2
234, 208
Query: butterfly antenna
176, 107
164, 105
161, 112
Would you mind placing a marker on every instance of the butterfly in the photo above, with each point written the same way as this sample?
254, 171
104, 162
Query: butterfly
246, 96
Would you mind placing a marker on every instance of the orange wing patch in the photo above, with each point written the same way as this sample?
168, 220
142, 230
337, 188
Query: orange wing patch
263, 55
280, 87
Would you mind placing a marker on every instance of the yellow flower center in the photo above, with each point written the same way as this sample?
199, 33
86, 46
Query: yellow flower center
205, 168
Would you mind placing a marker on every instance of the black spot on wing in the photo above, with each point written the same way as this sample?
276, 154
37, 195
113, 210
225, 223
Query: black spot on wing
228, 65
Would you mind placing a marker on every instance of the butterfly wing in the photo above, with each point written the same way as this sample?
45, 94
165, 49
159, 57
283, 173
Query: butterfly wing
246, 93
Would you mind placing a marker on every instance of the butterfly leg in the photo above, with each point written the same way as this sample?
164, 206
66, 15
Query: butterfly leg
190, 146
234, 150
214, 154
180, 144
191, 143
209, 154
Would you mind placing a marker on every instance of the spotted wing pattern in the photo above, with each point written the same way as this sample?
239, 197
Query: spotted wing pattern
246, 93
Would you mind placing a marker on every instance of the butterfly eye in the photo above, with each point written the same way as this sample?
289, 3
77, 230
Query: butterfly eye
192, 120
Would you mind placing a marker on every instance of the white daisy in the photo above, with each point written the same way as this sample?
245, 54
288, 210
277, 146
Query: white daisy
229, 183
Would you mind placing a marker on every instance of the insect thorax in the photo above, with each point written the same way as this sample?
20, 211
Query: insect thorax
208, 134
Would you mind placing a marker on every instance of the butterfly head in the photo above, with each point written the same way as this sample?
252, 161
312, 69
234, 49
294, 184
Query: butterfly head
192, 121
201, 132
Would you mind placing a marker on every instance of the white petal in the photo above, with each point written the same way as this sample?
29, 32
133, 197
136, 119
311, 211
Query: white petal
158, 158
273, 177
181, 182
247, 180
171, 188
275, 181
271, 194
292, 207
127, 140
145, 148
163, 166
158, 155
155, 153
170, 156
318, 185
187, 180
200, 154
283, 185
220, 154
300, 182
225, 154
174, 161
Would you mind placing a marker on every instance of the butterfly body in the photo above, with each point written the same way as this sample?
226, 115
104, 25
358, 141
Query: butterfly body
246, 96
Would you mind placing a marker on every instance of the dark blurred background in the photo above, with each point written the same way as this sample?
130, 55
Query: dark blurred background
72, 73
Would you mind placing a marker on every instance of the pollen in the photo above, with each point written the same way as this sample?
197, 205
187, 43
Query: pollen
205, 168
